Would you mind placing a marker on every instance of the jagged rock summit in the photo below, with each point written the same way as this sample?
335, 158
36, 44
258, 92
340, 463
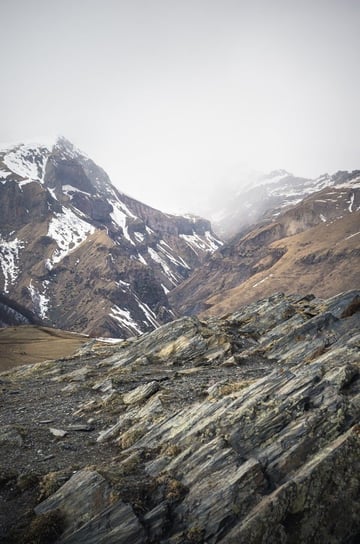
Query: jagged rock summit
80, 254
239, 429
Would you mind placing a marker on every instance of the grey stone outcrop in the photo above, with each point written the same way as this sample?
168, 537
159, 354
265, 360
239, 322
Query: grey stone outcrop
240, 429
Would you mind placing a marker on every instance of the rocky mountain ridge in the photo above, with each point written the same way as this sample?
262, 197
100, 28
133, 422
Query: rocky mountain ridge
313, 245
83, 256
243, 428
267, 196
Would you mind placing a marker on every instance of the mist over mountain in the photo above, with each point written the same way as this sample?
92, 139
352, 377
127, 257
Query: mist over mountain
258, 196
299, 243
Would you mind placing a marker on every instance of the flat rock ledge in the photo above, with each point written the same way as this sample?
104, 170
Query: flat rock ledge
239, 429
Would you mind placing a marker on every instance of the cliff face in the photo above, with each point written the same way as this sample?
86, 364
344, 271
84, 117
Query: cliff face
83, 256
222, 430
313, 246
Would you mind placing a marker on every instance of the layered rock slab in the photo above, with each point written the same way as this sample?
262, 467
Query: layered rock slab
239, 429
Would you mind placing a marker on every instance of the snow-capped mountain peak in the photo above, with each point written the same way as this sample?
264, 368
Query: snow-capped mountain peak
25, 163
70, 239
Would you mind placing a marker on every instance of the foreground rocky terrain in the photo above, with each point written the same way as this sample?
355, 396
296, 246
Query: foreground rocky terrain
243, 428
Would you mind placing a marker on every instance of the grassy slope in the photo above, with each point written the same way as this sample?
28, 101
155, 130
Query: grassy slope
30, 344
335, 267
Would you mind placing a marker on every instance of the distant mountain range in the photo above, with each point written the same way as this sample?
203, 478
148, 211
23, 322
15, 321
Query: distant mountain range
79, 254
309, 244
267, 196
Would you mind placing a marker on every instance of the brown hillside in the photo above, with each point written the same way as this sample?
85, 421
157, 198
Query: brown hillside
312, 247
323, 260
30, 344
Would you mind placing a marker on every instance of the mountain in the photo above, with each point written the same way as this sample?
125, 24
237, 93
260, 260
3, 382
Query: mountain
81, 255
266, 196
240, 429
312, 246
237, 424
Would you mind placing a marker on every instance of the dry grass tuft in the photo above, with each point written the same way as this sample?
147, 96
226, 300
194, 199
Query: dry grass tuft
45, 528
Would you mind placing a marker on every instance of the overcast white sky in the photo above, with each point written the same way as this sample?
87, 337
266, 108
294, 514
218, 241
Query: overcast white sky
174, 97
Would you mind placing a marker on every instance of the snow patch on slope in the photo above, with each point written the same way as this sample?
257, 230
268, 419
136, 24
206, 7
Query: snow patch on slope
352, 235
40, 300
141, 259
139, 236
263, 280
71, 189
3, 175
52, 192
9, 257
27, 161
209, 243
68, 150
123, 317
119, 216
158, 259
350, 184
150, 317
68, 231
351, 202
166, 249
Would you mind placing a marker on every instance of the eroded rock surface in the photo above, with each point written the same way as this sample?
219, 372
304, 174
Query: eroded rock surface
243, 428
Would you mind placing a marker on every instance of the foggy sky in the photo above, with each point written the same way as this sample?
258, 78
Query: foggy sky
174, 97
